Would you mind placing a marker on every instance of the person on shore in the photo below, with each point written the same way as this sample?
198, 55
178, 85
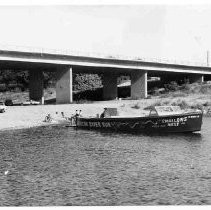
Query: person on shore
48, 118
62, 113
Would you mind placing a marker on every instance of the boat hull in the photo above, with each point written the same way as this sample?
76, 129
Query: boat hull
180, 123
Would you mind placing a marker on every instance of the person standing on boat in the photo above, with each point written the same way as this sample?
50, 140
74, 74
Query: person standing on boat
77, 113
75, 118
80, 113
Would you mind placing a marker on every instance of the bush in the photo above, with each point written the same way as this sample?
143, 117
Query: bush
183, 104
84, 82
88, 95
207, 103
149, 97
186, 87
205, 89
156, 91
179, 94
10, 80
3, 87
172, 86
157, 103
198, 106
164, 95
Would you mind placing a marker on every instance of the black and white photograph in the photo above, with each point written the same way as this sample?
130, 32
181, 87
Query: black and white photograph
105, 103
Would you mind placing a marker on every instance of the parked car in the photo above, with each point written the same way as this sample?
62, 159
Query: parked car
8, 102
31, 102
2, 107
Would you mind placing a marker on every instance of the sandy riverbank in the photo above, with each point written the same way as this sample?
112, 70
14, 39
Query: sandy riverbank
30, 116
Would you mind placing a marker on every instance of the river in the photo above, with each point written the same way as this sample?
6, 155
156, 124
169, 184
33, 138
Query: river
60, 166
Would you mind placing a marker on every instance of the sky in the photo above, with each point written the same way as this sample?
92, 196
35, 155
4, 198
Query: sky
175, 32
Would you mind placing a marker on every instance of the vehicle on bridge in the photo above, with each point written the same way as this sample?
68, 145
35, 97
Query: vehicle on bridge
161, 119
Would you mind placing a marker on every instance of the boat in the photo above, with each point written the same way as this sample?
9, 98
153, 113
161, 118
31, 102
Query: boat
161, 119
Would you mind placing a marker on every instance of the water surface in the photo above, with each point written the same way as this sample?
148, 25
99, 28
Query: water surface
61, 166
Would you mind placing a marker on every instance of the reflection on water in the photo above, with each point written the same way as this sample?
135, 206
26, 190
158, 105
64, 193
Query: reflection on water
62, 166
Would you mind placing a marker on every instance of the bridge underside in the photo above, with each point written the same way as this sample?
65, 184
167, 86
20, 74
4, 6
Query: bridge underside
64, 79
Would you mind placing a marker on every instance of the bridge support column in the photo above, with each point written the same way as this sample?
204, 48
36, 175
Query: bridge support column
109, 86
36, 85
64, 93
138, 84
196, 78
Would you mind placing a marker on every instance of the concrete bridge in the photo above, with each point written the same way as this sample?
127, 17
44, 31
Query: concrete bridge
64, 64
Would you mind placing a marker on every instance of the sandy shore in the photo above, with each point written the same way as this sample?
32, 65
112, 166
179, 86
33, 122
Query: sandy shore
17, 117
29, 116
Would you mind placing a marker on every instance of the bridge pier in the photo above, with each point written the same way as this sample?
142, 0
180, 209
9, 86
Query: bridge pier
109, 86
36, 85
138, 84
64, 94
